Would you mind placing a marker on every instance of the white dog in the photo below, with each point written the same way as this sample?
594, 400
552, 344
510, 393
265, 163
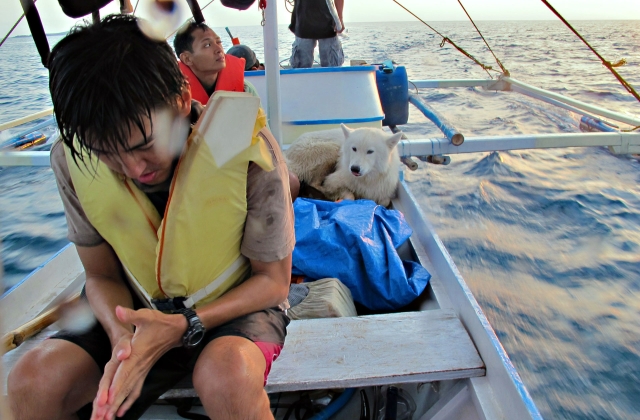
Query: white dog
348, 164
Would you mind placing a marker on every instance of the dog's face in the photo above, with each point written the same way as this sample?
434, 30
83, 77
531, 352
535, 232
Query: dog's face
367, 150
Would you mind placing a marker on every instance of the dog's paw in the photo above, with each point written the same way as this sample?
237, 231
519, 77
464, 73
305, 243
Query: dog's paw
347, 195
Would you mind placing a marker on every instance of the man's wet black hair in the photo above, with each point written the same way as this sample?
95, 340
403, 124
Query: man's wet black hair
184, 38
105, 78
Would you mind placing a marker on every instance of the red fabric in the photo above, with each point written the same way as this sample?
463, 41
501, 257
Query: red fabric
231, 78
271, 351
197, 91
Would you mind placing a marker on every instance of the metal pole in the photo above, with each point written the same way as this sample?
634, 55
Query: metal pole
272, 69
623, 142
447, 83
24, 158
445, 126
534, 92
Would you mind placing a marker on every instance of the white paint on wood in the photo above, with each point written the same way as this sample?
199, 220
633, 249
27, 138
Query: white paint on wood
484, 400
26, 119
49, 284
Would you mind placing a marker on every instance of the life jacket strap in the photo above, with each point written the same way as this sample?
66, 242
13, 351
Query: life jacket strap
190, 301
170, 304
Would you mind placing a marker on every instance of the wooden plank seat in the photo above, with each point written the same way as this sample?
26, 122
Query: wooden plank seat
369, 350
360, 351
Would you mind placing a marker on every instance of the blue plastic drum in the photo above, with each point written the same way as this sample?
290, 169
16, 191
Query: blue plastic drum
393, 88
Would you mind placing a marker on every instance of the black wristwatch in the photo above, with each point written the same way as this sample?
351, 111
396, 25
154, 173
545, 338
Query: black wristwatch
195, 329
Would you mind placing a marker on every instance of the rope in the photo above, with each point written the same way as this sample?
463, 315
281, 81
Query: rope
606, 63
14, 26
11, 30
136, 8
289, 4
447, 40
504, 70
262, 5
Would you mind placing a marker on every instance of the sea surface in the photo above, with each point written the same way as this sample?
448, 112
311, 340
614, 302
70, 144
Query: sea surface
548, 240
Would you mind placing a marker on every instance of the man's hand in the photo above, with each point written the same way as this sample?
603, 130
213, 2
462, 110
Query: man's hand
133, 356
120, 352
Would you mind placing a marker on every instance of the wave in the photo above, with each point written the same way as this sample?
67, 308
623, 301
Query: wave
492, 164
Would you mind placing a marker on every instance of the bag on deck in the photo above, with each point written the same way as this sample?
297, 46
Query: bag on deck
356, 241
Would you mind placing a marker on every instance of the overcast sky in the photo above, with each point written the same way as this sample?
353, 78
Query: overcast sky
364, 11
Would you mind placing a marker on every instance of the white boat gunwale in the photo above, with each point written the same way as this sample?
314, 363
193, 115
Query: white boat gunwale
501, 373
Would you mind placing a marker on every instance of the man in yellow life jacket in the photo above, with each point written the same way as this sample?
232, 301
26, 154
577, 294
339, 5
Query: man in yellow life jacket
208, 69
187, 264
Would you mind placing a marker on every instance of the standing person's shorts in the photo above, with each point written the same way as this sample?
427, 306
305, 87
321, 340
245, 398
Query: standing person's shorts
266, 328
331, 54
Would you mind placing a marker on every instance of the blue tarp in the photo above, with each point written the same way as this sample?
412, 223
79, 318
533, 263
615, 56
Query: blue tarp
356, 241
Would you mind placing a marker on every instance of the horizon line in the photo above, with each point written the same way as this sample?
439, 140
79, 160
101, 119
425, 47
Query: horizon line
402, 21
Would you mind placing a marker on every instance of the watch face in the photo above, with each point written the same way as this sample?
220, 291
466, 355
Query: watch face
195, 338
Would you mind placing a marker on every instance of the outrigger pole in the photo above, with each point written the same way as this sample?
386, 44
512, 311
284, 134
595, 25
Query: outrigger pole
272, 66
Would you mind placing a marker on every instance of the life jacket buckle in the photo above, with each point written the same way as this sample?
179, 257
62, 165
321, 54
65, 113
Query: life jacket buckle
169, 305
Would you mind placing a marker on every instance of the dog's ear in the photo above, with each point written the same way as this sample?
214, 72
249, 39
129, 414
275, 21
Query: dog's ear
393, 140
346, 130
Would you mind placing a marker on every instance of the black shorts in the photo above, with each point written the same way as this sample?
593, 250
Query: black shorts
268, 326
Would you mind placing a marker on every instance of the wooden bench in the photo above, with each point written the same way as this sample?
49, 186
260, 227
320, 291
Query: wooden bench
359, 351
370, 350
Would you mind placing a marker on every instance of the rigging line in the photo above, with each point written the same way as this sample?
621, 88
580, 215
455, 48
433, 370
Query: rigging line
504, 70
289, 3
446, 39
606, 63
136, 8
11, 30
14, 26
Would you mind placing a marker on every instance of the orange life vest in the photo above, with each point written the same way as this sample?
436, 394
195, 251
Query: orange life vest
231, 78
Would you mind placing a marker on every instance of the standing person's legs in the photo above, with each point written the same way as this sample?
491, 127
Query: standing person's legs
302, 53
331, 54
52, 382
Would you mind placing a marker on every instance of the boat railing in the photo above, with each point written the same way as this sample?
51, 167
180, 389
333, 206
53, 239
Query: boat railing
26, 120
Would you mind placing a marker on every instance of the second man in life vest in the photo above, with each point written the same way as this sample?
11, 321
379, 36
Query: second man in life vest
208, 69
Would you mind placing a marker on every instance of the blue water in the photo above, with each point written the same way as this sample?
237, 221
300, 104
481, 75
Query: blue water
548, 240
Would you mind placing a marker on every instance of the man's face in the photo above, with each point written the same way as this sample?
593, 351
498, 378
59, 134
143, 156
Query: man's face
149, 162
208, 54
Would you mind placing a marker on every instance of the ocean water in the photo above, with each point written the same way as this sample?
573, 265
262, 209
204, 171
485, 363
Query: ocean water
548, 240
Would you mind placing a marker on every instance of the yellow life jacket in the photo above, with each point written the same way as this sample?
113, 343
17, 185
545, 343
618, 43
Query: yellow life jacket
194, 251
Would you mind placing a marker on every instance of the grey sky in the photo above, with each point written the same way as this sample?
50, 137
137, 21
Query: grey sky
366, 11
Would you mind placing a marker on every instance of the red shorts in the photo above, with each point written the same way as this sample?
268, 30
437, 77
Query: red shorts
271, 351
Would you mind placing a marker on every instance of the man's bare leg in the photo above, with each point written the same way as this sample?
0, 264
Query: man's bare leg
52, 382
229, 378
